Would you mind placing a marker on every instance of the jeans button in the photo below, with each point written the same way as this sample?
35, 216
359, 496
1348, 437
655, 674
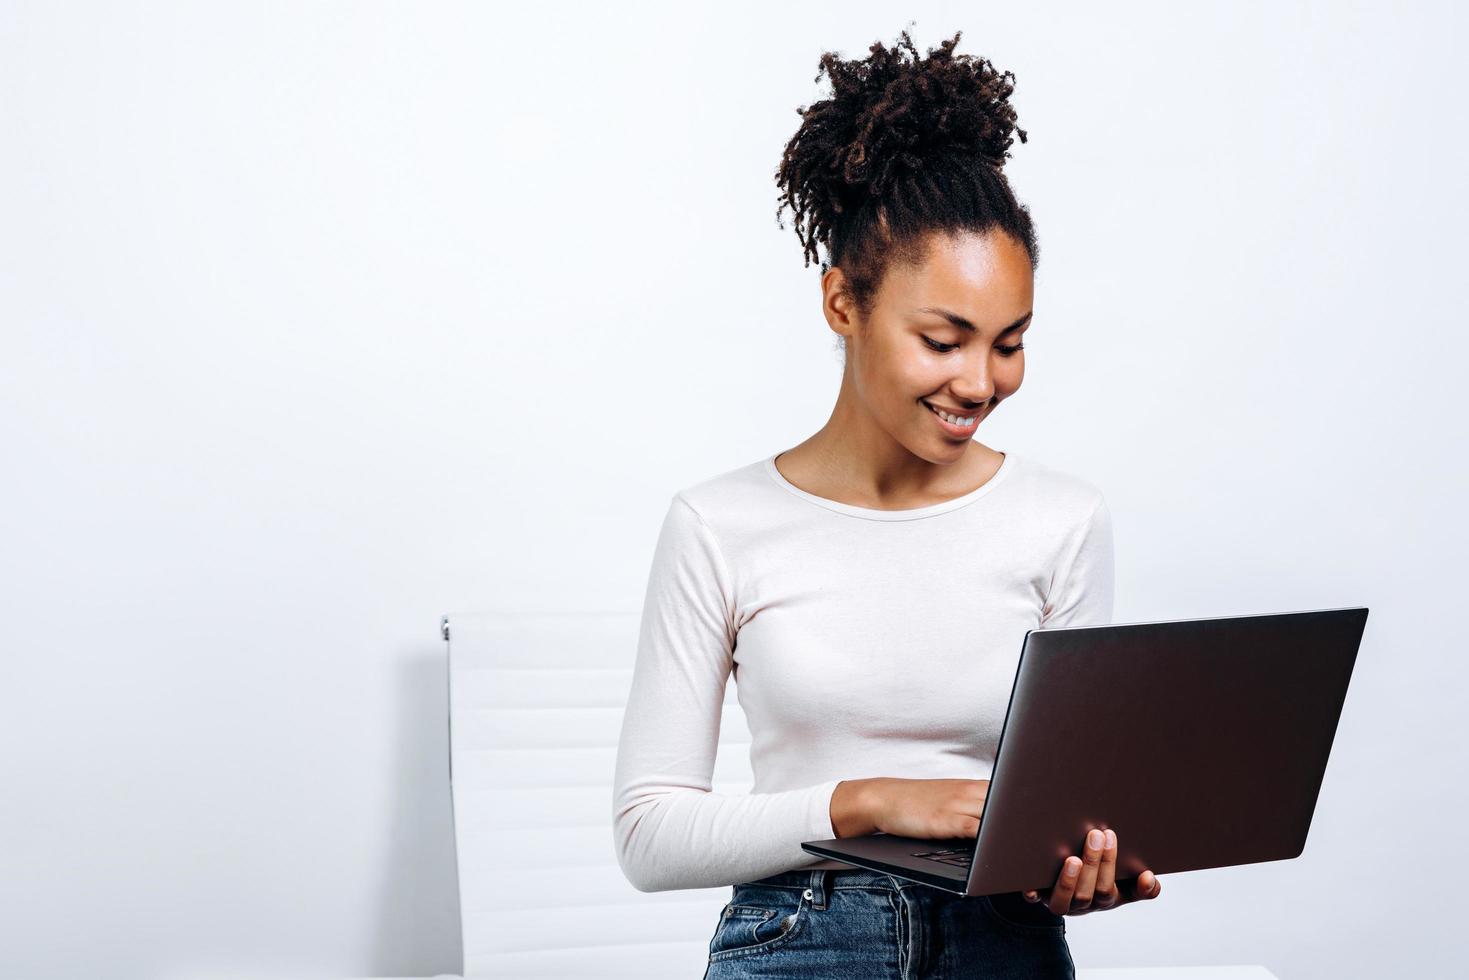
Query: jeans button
807, 895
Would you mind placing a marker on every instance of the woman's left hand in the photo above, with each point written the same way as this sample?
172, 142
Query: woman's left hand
1089, 883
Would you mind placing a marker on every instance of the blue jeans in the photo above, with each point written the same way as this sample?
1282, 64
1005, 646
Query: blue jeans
865, 925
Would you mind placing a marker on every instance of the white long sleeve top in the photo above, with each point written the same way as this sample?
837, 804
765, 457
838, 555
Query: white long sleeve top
863, 643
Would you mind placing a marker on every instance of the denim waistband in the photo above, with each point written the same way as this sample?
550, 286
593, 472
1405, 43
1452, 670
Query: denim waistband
823, 880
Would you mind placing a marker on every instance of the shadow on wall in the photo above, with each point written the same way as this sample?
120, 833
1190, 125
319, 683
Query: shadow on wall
418, 923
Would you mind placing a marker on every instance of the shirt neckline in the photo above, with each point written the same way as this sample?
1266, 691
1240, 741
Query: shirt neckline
876, 514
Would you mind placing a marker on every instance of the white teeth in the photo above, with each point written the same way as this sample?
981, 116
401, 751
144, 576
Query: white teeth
953, 419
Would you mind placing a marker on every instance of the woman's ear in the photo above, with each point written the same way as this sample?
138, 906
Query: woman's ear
837, 304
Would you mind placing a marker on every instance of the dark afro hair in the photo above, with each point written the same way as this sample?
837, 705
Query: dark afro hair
905, 146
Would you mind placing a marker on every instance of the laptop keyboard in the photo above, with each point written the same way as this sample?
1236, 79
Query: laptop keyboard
959, 857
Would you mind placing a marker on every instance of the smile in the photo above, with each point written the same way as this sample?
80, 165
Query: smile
962, 421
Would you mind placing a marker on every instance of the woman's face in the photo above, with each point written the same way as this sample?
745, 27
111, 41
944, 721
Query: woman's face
945, 333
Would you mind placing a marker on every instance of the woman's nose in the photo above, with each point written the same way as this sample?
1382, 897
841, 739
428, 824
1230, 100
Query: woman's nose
973, 391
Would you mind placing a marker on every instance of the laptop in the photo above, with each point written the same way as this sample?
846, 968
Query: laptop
1201, 742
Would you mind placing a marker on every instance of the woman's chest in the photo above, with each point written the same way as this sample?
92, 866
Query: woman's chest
891, 654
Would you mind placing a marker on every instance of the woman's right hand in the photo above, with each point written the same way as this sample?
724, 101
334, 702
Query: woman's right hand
928, 808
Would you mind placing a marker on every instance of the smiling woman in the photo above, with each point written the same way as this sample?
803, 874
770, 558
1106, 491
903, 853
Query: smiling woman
930, 277
874, 698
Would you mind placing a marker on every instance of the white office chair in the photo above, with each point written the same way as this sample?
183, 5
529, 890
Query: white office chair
535, 710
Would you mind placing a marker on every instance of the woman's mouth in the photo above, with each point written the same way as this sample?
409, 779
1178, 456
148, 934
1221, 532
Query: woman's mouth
954, 424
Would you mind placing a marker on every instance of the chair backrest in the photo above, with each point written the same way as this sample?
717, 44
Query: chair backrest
535, 709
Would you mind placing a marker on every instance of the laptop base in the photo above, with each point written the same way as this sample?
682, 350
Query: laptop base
894, 855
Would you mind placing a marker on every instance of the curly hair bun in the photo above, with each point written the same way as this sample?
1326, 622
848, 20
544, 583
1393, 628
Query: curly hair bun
895, 110
906, 144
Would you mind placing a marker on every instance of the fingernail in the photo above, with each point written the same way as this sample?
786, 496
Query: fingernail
1111, 839
1072, 869
1096, 839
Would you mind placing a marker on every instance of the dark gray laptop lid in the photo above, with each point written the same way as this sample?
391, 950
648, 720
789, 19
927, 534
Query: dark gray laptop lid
1211, 754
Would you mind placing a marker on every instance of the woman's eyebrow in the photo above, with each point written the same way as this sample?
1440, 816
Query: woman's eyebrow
964, 324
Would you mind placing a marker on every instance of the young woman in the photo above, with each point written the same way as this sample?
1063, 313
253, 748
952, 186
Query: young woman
869, 588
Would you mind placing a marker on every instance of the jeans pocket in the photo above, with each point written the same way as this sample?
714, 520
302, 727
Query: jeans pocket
1011, 910
758, 923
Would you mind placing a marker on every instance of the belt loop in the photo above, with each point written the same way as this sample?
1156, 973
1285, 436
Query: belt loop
820, 888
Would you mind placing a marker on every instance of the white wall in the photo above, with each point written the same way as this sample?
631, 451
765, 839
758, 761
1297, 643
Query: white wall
285, 290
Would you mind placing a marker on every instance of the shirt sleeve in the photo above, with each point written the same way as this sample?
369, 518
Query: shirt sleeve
1084, 581
671, 831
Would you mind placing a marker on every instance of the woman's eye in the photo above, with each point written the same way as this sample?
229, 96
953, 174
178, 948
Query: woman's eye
1006, 350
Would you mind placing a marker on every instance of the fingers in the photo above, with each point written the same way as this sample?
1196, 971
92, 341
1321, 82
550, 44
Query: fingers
1091, 861
1107, 894
1060, 900
1147, 886
1090, 881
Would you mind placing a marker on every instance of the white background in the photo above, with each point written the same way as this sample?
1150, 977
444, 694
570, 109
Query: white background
320, 320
